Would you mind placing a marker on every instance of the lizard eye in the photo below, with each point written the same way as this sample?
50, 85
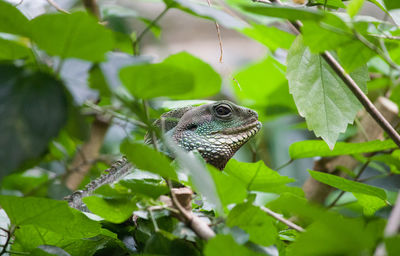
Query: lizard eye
223, 110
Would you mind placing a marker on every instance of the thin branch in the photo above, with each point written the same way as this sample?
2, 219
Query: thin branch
153, 134
57, 7
363, 168
156, 229
195, 223
348, 80
153, 23
221, 50
281, 219
9, 234
284, 165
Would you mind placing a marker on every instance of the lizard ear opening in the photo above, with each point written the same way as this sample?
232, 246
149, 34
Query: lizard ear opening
192, 127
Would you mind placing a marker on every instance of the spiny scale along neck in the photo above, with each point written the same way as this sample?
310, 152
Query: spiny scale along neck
217, 130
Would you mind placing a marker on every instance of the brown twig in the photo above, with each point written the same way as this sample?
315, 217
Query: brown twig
221, 50
352, 85
9, 234
283, 220
195, 223
58, 8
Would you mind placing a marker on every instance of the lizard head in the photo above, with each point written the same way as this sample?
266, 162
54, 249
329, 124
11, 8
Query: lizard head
216, 130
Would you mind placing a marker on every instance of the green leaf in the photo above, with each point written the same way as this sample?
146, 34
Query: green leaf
146, 158
391, 4
313, 148
47, 213
224, 245
369, 203
76, 35
263, 87
348, 185
354, 7
151, 188
12, 20
155, 80
11, 50
205, 11
25, 129
207, 82
285, 12
269, 36
320, 95
335, 236
255, 222
258, 177
332, 3
354, 55
229, 189
98, 81
392, 245
112, 210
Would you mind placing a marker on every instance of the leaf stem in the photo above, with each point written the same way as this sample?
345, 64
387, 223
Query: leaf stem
135, 44
281, 219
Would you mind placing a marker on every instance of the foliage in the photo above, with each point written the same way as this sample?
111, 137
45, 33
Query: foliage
46, 62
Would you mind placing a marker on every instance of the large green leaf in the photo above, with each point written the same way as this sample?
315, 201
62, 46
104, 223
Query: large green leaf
207, 82
263, 87
313, 148
337, 236
286, 12
12, 20
229, 189
320, 95
33, 108
269, 36
348, 185
255, 222
392, 4
150, 188
47, 213
146, 158
225, 245
76, 35
115, 210
11, 50
155, 80
258, 177
354, 55
201, 9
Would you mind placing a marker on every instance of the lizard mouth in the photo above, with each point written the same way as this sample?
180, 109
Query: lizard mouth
250, 129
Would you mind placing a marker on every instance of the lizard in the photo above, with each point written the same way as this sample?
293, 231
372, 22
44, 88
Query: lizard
216, 130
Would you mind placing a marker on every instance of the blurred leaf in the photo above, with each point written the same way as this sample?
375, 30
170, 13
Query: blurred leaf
262, 86
269, 36
320, 95
12, 20
313, 148
348, 185
151, 188
11, 50
285, 12
229, 189
224, 245
31, 181
332, 26
146, 158
115, 210
97, 81
335, 236
205, 11
258, 177
392, 4
207, 82
76, 35
392, 245
24, 129
369, 203
47, 213
49, 250
163, 243
332, 3
354, 55
255, 222
155, 80
354, 7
